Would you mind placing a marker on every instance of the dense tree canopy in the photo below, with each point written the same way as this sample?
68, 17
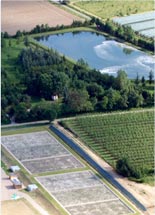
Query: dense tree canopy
124, 32
79, 88
125, 168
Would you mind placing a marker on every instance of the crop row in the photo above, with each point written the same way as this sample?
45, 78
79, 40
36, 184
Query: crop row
116, 136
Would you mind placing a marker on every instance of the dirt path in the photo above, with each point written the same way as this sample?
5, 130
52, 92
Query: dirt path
144, 193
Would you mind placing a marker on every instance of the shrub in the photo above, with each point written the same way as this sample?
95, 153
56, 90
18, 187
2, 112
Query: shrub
125, 168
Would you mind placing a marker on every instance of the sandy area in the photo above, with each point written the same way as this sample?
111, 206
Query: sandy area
15, 207
143, 192
7, 189
25, 15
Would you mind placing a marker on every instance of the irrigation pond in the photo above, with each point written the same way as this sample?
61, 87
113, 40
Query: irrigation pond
101, 53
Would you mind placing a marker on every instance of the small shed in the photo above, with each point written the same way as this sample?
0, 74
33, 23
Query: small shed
32, 187
54, 97
14, 168
16, 183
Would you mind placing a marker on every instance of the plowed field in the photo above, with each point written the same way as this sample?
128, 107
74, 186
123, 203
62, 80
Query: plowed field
25, 15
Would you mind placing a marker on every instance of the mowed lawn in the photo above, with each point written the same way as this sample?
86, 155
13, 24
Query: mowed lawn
108, 9
25, 15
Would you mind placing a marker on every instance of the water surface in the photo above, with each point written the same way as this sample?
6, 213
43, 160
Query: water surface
101, 53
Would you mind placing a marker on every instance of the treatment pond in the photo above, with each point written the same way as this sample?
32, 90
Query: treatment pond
101, 53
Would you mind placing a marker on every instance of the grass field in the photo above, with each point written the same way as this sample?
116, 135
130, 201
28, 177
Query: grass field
20, 206
108, 9
116, 136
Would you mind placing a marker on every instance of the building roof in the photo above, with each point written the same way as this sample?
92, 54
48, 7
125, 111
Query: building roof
14, 168
16, 181
32, 186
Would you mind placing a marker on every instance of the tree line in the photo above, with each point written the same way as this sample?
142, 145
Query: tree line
46, 28
79, 88
123, 32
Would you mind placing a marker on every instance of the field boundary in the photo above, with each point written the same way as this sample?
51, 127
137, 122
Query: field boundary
96, 166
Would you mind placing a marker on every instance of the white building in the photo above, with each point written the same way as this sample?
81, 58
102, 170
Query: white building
14, 168
55, 97
32, 187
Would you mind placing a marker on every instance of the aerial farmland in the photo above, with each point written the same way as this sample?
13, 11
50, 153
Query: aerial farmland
77, 107
73, 185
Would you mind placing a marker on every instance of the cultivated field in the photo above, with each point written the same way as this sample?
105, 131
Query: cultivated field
83, 193
15, 207
25, 15
114, 136
109, 9
40, 152
78, 191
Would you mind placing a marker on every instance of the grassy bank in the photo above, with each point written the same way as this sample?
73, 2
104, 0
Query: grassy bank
65, 30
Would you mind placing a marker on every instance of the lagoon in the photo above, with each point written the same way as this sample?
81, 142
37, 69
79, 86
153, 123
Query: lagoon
101, 53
